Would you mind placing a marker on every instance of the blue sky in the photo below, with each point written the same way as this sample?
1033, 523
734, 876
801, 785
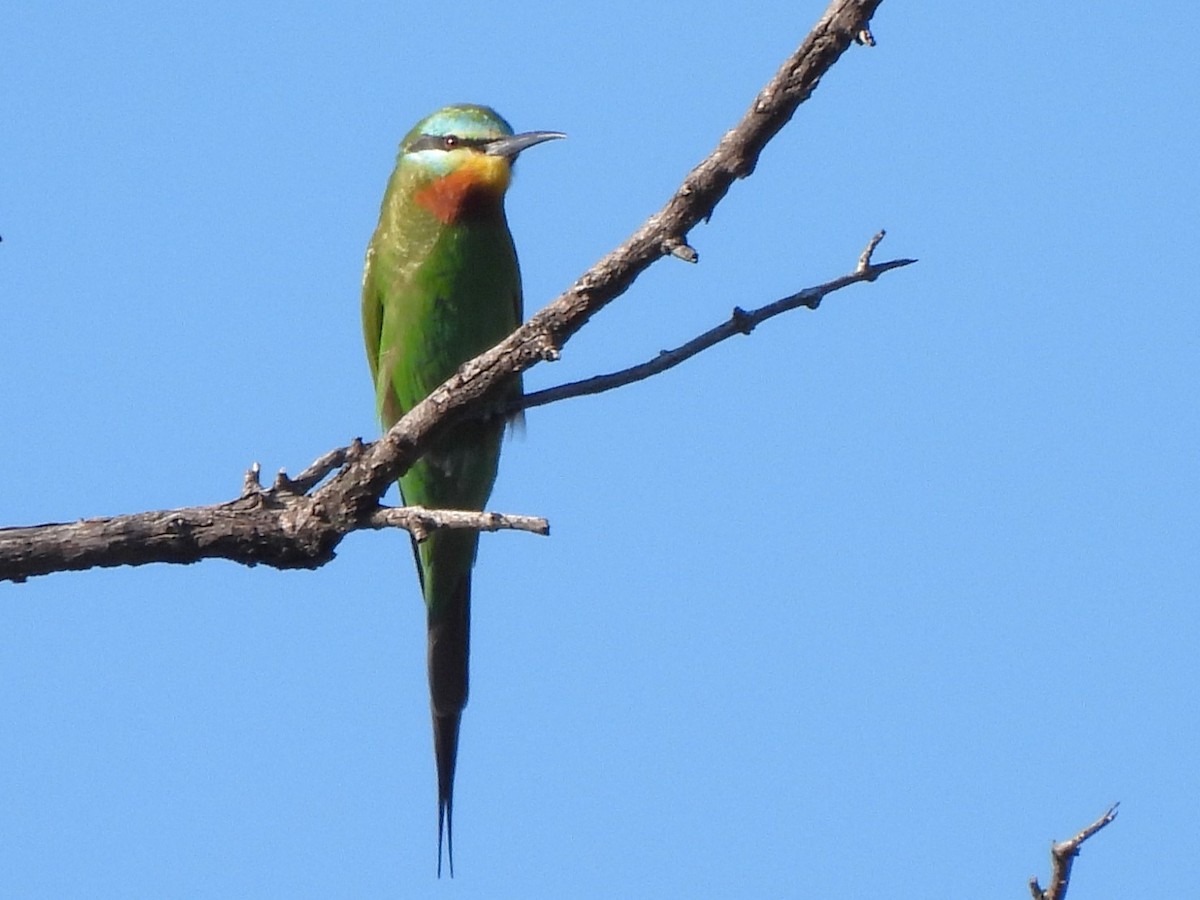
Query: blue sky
886, 596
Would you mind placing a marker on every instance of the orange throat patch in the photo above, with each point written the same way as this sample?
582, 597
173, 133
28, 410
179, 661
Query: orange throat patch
473, 189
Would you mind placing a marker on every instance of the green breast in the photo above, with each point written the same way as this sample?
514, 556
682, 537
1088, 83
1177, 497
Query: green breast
463, 298
438, 295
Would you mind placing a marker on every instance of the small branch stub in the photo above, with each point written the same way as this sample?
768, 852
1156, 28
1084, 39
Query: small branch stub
682, 250
742, 321
250, 481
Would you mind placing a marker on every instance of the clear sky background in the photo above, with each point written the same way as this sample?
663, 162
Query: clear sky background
874, 603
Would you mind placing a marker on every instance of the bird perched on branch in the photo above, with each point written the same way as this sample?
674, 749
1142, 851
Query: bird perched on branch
441, 285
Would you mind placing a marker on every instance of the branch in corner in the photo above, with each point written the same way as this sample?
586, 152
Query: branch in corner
1062, 856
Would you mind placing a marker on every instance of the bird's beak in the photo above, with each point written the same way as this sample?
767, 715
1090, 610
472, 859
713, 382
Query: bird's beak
510, 146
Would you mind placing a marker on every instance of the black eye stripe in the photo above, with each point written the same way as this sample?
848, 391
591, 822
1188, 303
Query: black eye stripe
443, 142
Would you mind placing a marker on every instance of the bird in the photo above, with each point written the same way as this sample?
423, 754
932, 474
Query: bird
441, 284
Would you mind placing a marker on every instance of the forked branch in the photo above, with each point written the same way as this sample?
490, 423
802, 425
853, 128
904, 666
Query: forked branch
1062, 856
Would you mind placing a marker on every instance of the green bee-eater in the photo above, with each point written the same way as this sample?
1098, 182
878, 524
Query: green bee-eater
441, 285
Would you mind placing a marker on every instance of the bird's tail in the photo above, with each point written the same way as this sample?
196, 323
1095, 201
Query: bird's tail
445, 742
449, 652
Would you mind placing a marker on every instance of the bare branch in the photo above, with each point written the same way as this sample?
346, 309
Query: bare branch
739, 322
274, 527
299, 522
1062, 855
285, 531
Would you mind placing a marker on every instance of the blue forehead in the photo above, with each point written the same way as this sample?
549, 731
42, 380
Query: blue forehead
465, 120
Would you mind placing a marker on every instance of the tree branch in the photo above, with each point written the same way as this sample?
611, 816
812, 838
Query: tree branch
1062, 855
299, 522
739, 322
276, 527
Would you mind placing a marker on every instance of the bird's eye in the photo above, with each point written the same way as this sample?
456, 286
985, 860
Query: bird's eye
450, 141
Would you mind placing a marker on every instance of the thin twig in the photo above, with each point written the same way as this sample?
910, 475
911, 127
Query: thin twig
316, 472
739, 322
420, 521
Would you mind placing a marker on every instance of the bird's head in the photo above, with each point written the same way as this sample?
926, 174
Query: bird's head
460, 159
